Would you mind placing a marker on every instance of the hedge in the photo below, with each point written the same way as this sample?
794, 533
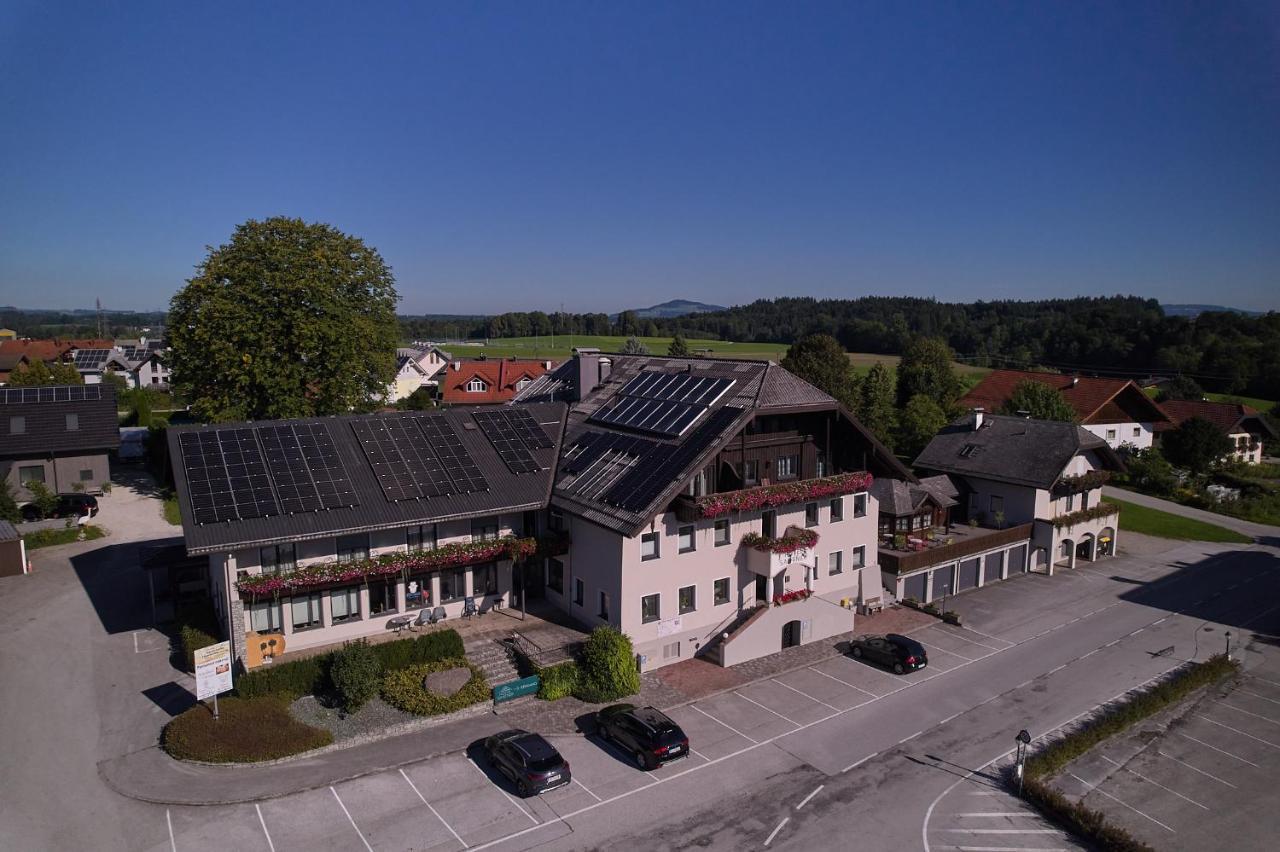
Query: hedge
247, 731
559, 680
403, 689
608, 667
197, 628
310, 676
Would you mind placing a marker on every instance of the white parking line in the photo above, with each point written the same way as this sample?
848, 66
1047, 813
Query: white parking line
1264, 680
270, 845
722, 724
762, 707
589, 793
997, 814
1194, 769
998, 830
1238, 731
349, 819
1156, 783
1135, 810
845, 682
805, 694
173, 844
954, 635
775, 831
810, 796
507, 795
945, 651
1247, 713
414, 787
910, 738
860, 762
1256, 695
1219, 750
1011, 849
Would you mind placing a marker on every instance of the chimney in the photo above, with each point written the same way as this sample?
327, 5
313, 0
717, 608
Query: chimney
457, 365
606, 367
977, 418
589, 373
546, 365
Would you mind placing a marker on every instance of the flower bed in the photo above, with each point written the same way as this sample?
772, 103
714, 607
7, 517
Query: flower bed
248, 730
767, 496
1084, 482
446, 556
792, 540
788, 597
404, 690
1102, 510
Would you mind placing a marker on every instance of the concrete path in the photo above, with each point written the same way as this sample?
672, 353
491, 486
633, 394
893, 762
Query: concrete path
1259, 531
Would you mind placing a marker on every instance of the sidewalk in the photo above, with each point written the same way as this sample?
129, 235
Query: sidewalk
1258, 531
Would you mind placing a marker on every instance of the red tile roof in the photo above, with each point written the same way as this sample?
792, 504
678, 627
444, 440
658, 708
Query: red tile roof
500, 377
1225, 415
1095, 400
48, 351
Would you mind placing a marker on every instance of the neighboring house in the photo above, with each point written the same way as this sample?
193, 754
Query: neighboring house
8, 334
10, 361
1028, 497
715, 507
1116, 410
1244, 425
303, 506
415, 368
431, 358
142, 363
487, 381
59, 435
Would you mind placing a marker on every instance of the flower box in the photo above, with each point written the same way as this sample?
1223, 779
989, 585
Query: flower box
1102, 510
769, 496
789, 597
792, 540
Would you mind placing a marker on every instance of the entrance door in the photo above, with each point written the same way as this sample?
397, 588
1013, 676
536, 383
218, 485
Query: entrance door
762, 589
791, 634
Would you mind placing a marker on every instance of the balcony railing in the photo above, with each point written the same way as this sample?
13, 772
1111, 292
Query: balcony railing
770, 496
965, 541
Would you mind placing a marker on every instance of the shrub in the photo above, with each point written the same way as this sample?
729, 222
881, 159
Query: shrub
248, 730
1080, 820
105, 487
66, 535
44, 499
403, 689
951, 617
558, 680
8, 506
608, 667
356, 673
197, 628
428, 648
193, 638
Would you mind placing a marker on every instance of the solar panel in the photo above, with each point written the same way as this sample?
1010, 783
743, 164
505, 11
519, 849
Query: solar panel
458, 466
327, 471
681, 387
506, 441
226, 476
50, 393
89, 359
645, 481
589, 447
424, 468
405, 467
534, 436
288, 468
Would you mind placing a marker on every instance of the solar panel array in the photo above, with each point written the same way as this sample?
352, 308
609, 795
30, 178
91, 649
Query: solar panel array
459, 467
598, 459
89, 359
679, 387
288, 468
332, 483
50, 393
405, 466
663, 403
514, 435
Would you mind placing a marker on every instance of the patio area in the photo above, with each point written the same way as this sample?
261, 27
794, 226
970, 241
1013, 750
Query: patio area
959, 540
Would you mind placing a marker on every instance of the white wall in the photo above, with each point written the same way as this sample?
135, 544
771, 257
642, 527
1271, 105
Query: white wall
1124, 433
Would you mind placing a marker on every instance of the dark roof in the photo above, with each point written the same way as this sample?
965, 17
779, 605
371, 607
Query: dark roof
1095, 400
507, 491
44, 413
1012, 449
8, 532
898, 498
1230, 417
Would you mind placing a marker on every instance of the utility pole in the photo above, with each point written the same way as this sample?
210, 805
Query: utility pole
99, 305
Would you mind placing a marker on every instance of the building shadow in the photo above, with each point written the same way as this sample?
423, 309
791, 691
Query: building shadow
171, 697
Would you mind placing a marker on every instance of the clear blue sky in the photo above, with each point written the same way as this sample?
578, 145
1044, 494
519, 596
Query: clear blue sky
517, 156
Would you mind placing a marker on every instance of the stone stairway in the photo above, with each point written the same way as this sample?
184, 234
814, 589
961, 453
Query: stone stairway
492, 657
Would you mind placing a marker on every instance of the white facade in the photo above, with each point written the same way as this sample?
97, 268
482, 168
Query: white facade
1137, 435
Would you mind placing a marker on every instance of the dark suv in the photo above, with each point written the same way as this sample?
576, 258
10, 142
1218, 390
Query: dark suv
530, 762
897, 652
647, 734
68, 506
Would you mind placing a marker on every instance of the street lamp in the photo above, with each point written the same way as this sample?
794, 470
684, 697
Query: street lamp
1023, 740
1228, 646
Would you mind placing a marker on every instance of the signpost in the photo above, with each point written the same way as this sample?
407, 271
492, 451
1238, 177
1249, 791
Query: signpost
516, 688
213, 672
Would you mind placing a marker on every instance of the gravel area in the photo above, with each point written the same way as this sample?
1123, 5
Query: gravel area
372, 719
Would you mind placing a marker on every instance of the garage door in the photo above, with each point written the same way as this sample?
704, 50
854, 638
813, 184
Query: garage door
942, 581
913, 587
991, 567
968, 575
1017, 559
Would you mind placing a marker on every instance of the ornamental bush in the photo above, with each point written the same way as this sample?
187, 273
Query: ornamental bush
356, 673
404, 690
248, 730
558, 680
608, 667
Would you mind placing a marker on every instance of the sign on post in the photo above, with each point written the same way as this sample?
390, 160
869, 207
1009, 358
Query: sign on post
213, 672
516, 688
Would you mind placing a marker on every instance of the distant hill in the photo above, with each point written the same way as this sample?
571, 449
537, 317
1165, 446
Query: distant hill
1196, 310
675, 308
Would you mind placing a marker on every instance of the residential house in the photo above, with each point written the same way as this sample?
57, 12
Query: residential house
58, 435
8, 334
1243, 424
1116, 410
488, 381
415, 368
141, 362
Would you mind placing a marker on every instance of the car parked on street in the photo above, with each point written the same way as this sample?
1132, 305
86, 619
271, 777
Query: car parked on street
68, 506
646, 733
899, 653
527, 760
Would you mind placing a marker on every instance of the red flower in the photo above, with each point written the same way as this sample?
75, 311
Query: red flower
748, 499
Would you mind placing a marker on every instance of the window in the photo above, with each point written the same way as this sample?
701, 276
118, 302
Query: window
810, 514
86, 475
859, 554
685, 538
997, 503
579, 591
453, 584
418, 539
1071, 502
264, 617
821, 469
382, 595
353, 548
1084, 500
277, 558
555, 575
769, 523
73, 422
17, 425
722, 534
155, 380
484, 579
837, 509
788, 467
1137, 431
688, 599
31, 473
859, 505
835, 563
650, 609
697, 486
484, 529
344, 604
1111, 434
476, 385
523, 383
721, 591
750, 472
671, 651
649, 547
604, 606
306, 611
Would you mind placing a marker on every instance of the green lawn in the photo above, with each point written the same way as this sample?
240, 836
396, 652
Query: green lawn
49, 538
1141, 519
172, 513
1260, 404
562, 346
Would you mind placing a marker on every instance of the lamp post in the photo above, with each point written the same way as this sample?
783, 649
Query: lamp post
1228, 646
1022, 740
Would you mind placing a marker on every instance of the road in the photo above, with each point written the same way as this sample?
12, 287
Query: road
1262, 532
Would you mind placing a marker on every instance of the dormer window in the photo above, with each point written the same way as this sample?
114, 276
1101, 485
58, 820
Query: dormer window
477, 385
523, 383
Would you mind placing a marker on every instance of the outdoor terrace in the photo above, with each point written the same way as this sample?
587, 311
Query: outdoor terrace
963, 540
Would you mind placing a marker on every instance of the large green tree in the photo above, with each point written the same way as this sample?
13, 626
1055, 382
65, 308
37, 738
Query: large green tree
679, 347
876, 408
633, 346
926, 368
821, 361
920, 419
1181, 387
1196, 445
288, 319
1039, 400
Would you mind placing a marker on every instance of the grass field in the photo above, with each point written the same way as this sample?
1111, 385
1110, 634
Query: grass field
1260, 404
1141, 519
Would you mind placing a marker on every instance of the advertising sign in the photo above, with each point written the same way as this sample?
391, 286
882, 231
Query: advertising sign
213, 670
669, 627
515, 689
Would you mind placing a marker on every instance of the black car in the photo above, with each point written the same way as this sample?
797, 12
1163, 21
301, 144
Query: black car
647, 734
896, 652
531, 763
68, 506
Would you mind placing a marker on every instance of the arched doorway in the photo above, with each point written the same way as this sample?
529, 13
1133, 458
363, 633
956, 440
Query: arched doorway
1084, 549
1066, 555
791, 634
1107, 542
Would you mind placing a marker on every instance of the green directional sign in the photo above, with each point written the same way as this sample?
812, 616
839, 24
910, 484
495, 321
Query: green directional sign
515, 689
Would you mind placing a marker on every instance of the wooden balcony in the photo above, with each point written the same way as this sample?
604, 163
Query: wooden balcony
965, 541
